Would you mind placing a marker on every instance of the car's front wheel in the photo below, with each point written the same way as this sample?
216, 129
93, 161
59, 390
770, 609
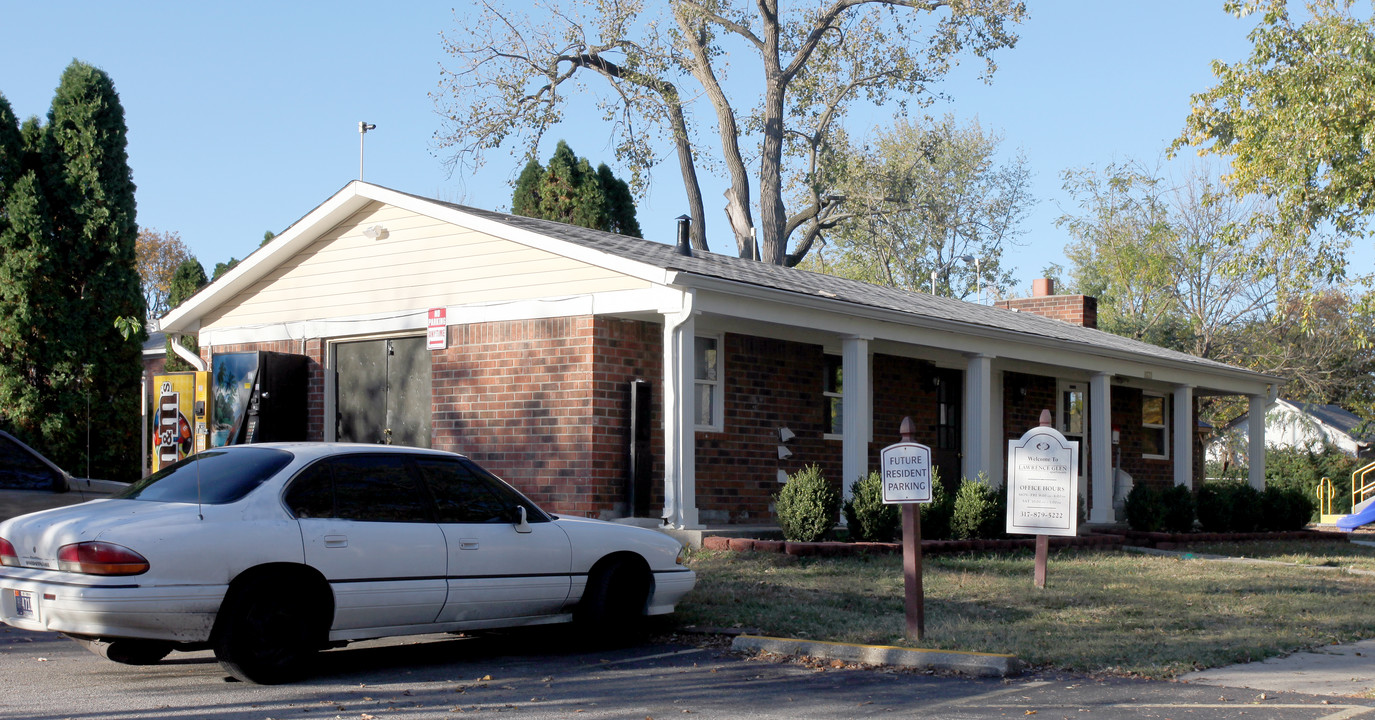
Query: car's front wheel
266, 632
613, 604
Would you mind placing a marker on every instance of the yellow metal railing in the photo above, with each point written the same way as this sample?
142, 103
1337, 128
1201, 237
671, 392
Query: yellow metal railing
1325, 492
1362, 484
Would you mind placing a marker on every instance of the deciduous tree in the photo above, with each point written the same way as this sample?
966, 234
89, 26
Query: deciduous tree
795, 71
922, 199
159, 255
1294, 117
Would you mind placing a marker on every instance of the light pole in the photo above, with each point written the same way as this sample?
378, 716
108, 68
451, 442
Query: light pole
363, 129
978, 276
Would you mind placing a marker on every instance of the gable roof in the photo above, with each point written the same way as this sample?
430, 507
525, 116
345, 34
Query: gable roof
661, 263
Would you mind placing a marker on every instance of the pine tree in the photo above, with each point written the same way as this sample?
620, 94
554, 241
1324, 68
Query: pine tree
69, 380
570, 191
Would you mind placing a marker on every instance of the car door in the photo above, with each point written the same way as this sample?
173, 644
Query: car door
367, 527
496, 570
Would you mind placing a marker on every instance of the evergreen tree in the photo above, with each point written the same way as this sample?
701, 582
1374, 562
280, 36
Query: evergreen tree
69, 380
570, 191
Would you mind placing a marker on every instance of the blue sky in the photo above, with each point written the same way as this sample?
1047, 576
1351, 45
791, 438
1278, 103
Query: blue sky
243, 116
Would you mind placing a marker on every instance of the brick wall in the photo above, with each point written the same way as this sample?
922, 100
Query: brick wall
545, 404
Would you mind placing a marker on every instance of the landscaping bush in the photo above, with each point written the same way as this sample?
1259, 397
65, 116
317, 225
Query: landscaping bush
977, 513
1177, 503
1229, 506
807, 506
1144, 508
868, 518
1285, 508
935, 515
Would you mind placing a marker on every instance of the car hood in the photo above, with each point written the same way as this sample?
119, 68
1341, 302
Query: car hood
40, 534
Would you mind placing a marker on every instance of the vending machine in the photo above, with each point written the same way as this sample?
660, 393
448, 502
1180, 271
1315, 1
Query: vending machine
179, 427
245, 398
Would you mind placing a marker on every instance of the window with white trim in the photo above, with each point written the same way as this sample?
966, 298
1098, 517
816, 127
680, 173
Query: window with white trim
707, 407
1155, 426
833, 396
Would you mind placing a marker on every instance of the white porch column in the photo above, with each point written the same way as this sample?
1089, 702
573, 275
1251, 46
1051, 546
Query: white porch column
1255, 451
1100, 448
978, 416
680, 448
857, 410
1183, 441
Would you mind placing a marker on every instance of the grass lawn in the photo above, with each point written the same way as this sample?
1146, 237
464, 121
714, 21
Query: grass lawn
1100, 612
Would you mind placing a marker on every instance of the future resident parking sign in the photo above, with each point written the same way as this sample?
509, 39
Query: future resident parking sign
906, 473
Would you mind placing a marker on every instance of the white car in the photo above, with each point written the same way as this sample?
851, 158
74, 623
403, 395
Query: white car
266, 553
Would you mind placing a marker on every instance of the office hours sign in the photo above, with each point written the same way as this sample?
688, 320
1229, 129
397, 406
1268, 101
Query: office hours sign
906, 473
1043, 484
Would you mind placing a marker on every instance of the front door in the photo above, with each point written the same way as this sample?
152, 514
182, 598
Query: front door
383, 391
1072, 420
945, 452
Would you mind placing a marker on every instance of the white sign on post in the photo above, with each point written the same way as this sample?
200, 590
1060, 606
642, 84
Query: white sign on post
906, 473
1043, 482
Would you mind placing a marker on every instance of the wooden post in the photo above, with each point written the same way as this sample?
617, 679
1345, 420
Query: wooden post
1042, 550
915, 600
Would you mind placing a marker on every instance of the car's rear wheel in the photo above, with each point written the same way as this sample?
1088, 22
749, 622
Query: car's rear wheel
613, 604
267, 631
128, 651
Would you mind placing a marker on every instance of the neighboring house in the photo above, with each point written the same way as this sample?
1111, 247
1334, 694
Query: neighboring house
609, 376
1291, 424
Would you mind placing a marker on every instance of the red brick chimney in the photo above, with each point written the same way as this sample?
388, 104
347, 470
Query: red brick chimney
1076, 309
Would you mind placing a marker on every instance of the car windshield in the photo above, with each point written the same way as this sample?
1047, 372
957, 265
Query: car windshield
212, 477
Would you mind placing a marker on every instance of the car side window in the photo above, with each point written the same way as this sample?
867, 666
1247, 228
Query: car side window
461, 496
19, 470
366, 488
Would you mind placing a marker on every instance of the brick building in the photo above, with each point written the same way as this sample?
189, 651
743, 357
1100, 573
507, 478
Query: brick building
614, 377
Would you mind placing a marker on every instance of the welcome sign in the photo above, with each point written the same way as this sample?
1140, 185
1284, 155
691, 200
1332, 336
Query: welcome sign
1043, 482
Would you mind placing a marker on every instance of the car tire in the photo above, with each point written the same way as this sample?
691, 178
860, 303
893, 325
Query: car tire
128, 651
267, 632
613, 603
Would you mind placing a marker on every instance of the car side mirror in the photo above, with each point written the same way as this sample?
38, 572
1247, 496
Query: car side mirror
522, 526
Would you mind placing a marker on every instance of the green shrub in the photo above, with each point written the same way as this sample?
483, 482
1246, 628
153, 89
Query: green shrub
935, 515
866, 515
807, 506
1285, 508
1229, 506
976, 514
1144, 509
1177, 503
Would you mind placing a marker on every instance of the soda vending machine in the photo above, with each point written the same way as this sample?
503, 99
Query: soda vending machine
179, 428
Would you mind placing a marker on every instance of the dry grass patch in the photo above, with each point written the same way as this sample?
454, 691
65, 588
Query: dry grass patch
1101, 612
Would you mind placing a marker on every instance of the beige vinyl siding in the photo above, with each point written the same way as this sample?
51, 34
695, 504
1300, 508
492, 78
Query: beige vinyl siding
422, 263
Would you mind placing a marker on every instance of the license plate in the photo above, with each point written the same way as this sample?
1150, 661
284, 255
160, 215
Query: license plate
23, 603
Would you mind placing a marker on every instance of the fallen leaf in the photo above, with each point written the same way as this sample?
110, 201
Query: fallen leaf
1029, 712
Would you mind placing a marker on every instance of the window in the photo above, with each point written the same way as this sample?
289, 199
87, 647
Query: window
1155, 426
832, 395
707, 405
367, 488
464, 493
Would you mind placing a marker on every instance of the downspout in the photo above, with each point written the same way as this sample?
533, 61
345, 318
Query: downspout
190, 357
680, 502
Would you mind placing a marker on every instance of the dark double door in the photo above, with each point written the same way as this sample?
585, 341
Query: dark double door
382, 391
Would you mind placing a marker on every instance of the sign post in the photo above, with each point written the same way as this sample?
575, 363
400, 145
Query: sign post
1042, 492
906, 479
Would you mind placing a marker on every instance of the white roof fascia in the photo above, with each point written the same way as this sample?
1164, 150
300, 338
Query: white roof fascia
616, 263
785, 307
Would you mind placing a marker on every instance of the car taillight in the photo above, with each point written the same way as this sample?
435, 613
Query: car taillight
100, 558
7, 554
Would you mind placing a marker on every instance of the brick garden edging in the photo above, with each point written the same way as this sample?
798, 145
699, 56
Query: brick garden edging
928, 547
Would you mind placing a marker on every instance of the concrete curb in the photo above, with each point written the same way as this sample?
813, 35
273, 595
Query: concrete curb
973, 663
